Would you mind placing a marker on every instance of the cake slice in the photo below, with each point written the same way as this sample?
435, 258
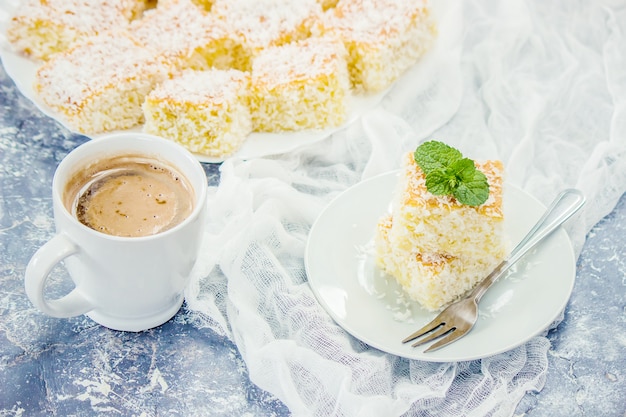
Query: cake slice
41, 29
441, 224
186, 35
257, 24
301, 85
205, 111
432, 279
434, 246
99, 84
383, 38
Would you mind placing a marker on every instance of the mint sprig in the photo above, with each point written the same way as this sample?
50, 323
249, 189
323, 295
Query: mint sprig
449, 173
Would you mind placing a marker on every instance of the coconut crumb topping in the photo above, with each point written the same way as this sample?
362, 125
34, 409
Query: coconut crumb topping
85, 16
200, 87
114, 57
176, 26
419, 195
265, 22
297, 61
373, 20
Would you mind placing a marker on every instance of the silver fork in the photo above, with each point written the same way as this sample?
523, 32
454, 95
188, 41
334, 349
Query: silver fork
456, 320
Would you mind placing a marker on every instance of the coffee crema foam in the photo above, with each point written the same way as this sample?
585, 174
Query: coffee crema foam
129, 196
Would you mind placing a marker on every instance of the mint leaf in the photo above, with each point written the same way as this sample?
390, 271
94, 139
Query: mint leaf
434, 155
473, 192
463, 169
438, 182
448, 173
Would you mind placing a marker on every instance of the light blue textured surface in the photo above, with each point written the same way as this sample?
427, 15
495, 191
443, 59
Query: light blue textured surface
75, 367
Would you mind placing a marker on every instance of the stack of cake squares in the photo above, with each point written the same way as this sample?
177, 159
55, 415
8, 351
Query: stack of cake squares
41, 29
99, 84
435, 247
287, 65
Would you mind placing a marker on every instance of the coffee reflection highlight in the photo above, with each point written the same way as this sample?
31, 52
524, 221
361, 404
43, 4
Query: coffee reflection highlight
129, 196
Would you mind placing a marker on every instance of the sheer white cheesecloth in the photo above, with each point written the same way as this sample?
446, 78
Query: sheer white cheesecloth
540, 85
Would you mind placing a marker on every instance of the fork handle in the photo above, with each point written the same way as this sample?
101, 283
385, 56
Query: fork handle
562, 208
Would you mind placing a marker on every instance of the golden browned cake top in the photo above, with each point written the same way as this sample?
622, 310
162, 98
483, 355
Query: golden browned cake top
417, 195
302, 60
373, 20
84, 16
177, 26
200, 87
263, 22
113, 58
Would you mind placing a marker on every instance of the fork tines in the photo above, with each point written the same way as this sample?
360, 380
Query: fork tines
434, 329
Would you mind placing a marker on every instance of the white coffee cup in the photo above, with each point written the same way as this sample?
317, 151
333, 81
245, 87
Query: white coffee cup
123, 283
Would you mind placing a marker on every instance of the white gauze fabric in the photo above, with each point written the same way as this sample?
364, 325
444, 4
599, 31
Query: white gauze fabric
541, 86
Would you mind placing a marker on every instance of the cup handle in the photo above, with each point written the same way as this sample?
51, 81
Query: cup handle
37, 272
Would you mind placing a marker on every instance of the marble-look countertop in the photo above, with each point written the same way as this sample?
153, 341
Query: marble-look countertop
63, 367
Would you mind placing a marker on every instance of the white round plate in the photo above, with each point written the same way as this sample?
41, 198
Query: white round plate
22, 71
372, 307
258, 144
